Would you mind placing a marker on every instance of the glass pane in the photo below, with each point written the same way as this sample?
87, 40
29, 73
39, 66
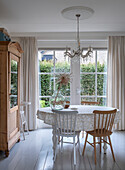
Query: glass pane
87, 84
13, 101
46, 84
14, 83
44, 102
102, 61
101, 84
102, 101
62, 64
88, 64
46, 61
65, 90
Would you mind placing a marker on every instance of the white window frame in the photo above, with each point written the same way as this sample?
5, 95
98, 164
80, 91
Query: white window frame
54, 73
75, 85
96, 74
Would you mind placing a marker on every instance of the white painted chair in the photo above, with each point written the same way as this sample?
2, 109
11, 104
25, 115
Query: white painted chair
23, 122
65, 127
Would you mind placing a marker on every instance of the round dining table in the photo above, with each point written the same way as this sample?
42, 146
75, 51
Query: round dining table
85, 118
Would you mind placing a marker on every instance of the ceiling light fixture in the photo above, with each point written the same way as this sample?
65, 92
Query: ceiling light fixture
73, 13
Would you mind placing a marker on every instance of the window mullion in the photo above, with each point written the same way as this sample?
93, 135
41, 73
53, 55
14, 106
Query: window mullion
54, 71
96, 76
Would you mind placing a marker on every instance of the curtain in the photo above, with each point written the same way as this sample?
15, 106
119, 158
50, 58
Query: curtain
29, 79
116, 75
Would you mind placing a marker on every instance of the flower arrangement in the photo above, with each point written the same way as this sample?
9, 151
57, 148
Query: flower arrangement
63, 79
57, 101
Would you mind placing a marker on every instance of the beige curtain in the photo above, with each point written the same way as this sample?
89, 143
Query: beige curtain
29, 79
116, 75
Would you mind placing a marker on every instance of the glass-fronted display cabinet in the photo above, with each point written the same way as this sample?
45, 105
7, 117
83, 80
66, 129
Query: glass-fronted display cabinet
10, 56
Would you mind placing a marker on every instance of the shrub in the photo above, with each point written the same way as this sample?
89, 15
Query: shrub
42, 103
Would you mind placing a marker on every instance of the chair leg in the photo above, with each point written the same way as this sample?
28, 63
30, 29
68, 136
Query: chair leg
27, 128
22, 126
79, 144
94, 148
74, 150
100, 143
58, 139
55, 151
62, 144
85, 144
22, 129
111, 147
82, 134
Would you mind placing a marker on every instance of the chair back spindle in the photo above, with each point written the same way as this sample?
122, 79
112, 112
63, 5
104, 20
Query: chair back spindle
66, 122
103, 121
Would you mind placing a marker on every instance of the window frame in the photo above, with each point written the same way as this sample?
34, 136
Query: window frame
96, 74
54, 72
71, 83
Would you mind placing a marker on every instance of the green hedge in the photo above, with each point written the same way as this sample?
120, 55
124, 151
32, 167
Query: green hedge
87, 81
14, 83
47, 80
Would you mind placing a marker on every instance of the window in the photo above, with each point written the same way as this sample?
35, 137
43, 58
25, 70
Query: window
93, 77
51, 64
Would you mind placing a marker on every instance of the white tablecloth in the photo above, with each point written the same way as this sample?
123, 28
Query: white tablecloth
85, 118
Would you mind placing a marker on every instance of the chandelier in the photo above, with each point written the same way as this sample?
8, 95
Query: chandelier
75, 13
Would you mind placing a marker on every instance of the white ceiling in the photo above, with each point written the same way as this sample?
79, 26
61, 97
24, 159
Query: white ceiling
37, 16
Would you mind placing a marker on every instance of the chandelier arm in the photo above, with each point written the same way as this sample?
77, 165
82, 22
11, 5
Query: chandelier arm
85, 55
68, 54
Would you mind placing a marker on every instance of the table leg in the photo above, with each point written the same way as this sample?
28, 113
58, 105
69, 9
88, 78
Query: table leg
54, 139
105, 145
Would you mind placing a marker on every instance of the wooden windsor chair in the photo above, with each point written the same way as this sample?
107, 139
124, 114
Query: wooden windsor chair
65, 127
88, 103
103, 122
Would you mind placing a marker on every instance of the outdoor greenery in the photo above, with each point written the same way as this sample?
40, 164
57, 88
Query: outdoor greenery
47, 80
87, 80
14, 83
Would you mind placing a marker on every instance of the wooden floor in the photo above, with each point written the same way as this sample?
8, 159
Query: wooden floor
35, 153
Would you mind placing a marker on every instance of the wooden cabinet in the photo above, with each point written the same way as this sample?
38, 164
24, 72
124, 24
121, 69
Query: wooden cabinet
10, 55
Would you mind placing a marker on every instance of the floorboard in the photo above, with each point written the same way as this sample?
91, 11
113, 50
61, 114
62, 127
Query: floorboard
35, 153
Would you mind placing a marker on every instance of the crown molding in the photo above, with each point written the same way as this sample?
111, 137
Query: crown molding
70, 36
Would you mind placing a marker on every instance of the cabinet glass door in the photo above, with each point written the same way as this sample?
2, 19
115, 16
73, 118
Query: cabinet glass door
14, 84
